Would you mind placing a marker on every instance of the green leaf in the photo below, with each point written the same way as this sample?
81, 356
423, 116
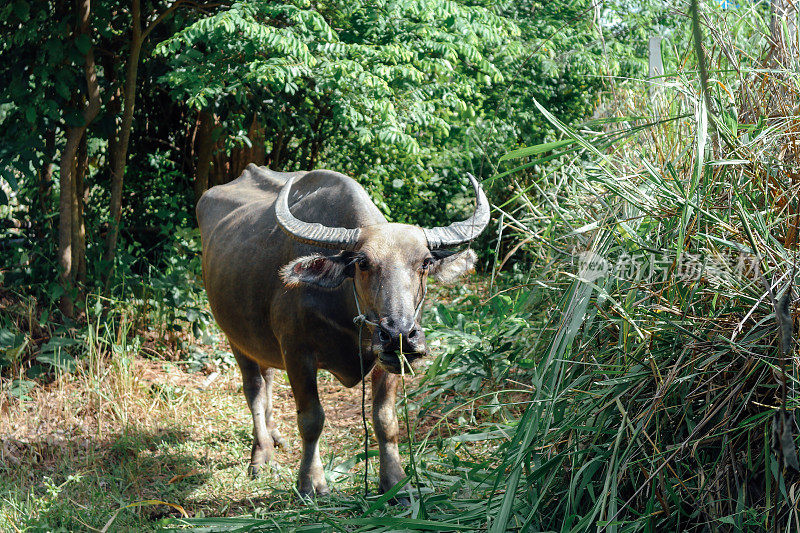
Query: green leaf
83, 42
415, 524
20, 388
55, 290
22, 10
7, 338
14, 352
62, 90
9, 176
60, 360
537, 149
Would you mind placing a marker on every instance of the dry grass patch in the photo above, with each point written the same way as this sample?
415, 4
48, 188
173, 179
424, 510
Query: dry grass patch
116, 433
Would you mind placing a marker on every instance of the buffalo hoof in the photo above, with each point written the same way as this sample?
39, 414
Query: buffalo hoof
400, 501
256, 471
316, 492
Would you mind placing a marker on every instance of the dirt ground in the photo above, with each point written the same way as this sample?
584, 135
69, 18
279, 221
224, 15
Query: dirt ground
87, 445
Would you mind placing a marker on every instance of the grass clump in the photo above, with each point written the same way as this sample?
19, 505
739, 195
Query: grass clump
656, 393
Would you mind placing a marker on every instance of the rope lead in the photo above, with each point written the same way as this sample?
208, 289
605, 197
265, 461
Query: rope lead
360, 319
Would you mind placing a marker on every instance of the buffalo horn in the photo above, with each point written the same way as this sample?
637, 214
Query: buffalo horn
312, 233
466, 230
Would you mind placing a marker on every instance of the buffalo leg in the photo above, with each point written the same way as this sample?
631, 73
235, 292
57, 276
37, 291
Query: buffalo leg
384, 418
277, 439
258, 392
310, 420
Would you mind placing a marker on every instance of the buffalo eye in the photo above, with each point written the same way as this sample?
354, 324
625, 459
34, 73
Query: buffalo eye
363, 263
427, 263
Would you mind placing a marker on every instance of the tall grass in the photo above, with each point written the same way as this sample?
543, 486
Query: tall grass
654, 402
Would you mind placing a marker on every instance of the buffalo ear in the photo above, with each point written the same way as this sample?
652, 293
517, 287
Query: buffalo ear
325, 272
449, 265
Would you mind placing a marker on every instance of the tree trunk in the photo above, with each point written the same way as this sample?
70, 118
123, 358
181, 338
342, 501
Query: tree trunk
235, 162
113, 108
241, 156
276, 142
46, 182
315, 146
67, 164
258, 152
120, 157
316, 140
78, 227
302, 153
219, 168
204, 145
220, 161
277, 156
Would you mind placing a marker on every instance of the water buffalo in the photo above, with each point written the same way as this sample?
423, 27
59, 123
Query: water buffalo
284, 256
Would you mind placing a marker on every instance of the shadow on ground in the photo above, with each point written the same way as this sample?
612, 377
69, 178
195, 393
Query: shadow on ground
62, 483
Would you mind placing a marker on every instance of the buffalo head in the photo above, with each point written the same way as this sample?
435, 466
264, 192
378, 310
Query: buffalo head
389, 265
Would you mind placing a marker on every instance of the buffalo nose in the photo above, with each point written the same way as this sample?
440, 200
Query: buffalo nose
390, 333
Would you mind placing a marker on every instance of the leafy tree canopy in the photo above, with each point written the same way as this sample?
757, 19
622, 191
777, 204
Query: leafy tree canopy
383, 71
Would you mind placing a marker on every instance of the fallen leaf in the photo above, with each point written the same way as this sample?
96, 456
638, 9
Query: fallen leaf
179, 477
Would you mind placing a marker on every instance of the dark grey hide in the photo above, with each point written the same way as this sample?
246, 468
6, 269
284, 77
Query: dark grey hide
282, 290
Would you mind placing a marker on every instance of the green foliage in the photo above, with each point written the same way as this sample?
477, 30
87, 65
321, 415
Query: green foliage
395, 68
380, 91
35, 94
481, 346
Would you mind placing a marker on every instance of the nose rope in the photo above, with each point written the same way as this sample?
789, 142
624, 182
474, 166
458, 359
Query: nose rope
422, 300
359, 320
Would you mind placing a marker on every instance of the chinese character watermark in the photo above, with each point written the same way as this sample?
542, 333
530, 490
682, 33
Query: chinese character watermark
650, 267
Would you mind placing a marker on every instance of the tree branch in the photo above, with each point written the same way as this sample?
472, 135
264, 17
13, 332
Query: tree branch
163, 15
